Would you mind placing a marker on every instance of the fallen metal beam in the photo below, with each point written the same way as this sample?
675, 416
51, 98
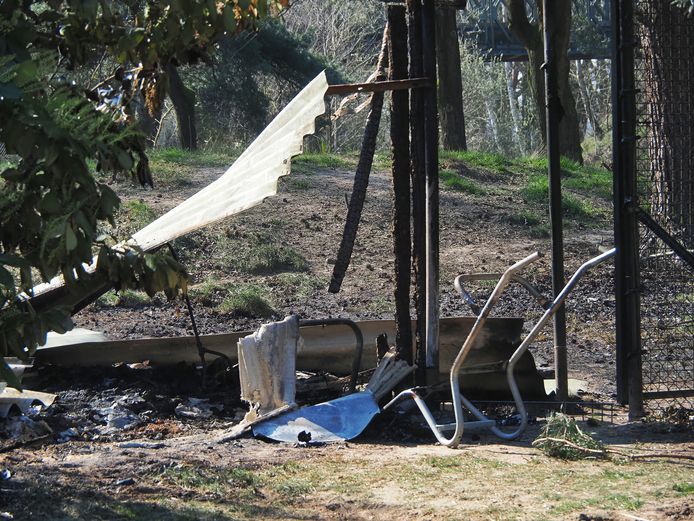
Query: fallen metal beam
325, 349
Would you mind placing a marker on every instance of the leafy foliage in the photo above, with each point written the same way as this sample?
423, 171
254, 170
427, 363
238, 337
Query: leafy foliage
562, 438
53, 211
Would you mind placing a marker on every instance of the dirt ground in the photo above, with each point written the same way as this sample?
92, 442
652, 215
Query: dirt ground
122, 446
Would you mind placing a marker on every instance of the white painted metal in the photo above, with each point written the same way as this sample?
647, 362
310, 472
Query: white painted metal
253, 176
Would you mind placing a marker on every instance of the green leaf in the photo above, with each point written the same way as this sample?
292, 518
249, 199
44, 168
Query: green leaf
8, 376
70, 238
13, 175
6, 278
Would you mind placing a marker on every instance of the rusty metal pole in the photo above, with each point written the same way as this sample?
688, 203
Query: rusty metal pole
431, 168
553, 115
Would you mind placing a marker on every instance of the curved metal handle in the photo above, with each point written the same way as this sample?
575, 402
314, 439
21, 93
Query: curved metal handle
534, 292
358, 348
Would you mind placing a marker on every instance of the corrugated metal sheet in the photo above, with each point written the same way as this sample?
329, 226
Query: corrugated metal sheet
251, 178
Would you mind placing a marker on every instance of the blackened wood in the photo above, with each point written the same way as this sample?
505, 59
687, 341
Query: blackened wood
378, 86
414, 22
382, 347
431, 168
361, 177
400, 147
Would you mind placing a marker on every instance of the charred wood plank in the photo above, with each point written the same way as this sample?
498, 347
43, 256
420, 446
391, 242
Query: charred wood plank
361, 177
400, 147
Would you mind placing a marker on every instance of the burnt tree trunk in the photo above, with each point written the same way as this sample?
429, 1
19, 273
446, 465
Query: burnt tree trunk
361, 176
183, 100
451, 114
530, 36
668, 55
400, 146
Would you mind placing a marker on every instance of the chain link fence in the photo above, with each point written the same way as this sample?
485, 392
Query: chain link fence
664, 70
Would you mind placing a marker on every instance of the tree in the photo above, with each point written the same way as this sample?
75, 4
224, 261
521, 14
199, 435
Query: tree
450, 83
666, 33
54, 213
530, 35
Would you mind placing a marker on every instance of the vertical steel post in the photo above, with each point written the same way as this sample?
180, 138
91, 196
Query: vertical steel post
626, 228
553, 114
431, 168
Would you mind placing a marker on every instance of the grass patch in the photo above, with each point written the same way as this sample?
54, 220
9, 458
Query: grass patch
538, 228
536, 191
493, 162
124, 298
525, 218
262, 256
322, 160
219, 482
174, 167
193, 158
381, 304
455, 182
299, 184
137, 215
301, 285
591, 180
684, 489
249, 300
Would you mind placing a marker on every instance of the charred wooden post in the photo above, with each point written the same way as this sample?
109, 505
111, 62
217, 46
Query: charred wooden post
553, 114
382, 347
361, 176
431, 168
414, 22
400, 145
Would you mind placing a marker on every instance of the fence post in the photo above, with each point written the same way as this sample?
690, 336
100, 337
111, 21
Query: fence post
626, 228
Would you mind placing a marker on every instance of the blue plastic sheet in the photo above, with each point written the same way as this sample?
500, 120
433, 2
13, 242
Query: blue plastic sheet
337, 420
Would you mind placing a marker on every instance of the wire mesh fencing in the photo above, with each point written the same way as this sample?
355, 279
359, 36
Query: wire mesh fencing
664, 70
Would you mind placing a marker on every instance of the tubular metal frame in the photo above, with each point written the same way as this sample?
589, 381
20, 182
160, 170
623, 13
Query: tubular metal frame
458, 399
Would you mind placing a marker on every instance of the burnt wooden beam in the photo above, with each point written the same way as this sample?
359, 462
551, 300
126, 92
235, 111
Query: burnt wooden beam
378, 86
361, 176
400, 148
418, 181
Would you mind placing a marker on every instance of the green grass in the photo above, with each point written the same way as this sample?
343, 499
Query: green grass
261, 255
322, 160
288, 482
684, 489
299, 184
536, 191
590, 180
249, 300
138, 214
454, 181
492, 162
124, 298
537, 226
173, 167
301, 285
197, 158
